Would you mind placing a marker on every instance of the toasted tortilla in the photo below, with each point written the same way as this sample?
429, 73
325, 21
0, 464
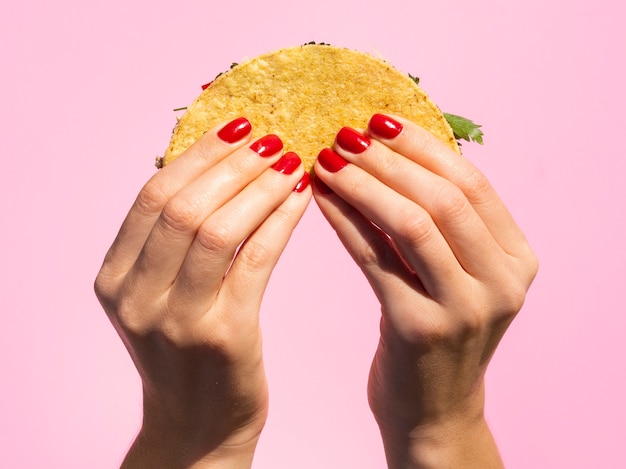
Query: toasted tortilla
305, 94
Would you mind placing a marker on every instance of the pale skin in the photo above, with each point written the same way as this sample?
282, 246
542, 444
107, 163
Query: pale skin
447, 262
450, 268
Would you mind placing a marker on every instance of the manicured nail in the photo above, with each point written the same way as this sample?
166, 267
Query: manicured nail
302, 183
331, 161
384, 126
235, 130
321, 186
267, 146
288, 163
352, 141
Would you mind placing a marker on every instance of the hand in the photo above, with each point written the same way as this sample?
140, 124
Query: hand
183, 283
450, 268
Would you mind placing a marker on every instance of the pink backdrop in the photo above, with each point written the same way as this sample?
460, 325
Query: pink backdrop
86, 93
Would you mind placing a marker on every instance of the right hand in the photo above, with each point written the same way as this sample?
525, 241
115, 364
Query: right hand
182, 285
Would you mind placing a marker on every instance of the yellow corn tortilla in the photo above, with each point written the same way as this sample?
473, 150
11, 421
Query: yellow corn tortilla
305, 94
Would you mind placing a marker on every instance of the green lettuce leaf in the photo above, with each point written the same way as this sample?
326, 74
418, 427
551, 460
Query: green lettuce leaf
464, 129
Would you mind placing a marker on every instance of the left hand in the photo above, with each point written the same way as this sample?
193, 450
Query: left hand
450, 268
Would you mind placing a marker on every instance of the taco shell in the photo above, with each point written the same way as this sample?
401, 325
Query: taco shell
305, 94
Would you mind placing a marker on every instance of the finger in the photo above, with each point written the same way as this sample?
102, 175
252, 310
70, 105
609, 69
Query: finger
249, 274
165, 249
406, 306
426, 150
470, 240
372, 250
409, 225
220, 235
211, 148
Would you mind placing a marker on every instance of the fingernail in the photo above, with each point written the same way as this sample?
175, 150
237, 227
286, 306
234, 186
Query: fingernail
331, 161
288, 163
321, 186
352, 141
235, 130
384, 126
267, 146
303, 183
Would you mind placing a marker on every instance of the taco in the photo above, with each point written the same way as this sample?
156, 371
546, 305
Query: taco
305, 94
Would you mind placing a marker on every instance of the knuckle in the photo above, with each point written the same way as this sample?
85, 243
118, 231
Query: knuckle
201, 149
472, 322
133, 310
449, 202
382, 160
507, 297
103, 288
475, 186
432, 331
416, 227
376, 253
284, 215
239, 167
426, 143
106, 287
127, 318
222, 339
512, 299
215, 238
255, 255
151, 199
532, 261
131, 313
179, 214
356, 184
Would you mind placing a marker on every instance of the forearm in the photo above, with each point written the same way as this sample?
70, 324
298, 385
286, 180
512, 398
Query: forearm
464, 446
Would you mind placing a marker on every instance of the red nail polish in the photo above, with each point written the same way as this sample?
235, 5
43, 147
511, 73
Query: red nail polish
267, 146
352, 141
235, 130
331, 161
288, 163
303, 183
321, 186
384, 126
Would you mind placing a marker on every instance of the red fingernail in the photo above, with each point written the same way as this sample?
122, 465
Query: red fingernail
235, 130
267, 146
288, 163
384, 126
303, 183
321, 186
331, 161
352, 141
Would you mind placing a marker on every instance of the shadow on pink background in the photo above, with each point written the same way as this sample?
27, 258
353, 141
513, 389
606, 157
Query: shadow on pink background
86, 94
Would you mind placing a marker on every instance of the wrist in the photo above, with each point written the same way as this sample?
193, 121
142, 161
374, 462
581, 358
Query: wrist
456, 443
170, 450
195, 440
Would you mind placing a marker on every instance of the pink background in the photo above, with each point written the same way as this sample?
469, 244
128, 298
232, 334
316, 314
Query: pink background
87, 89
